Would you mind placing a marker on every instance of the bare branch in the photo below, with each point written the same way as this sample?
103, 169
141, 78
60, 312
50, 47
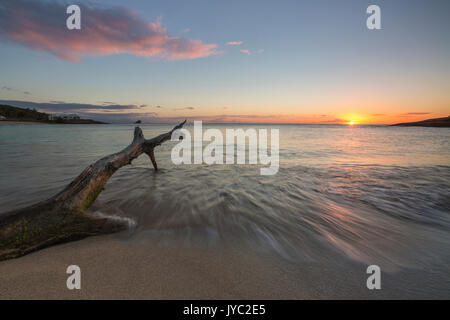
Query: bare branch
63, 217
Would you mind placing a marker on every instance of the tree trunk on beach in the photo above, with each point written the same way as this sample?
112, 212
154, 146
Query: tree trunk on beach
63, 217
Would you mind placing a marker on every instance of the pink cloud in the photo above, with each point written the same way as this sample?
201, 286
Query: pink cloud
235, 43
246, 51
104, 31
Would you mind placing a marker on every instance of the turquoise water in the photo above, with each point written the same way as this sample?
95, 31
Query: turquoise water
371, 194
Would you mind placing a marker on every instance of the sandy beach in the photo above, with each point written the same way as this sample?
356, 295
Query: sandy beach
115, 268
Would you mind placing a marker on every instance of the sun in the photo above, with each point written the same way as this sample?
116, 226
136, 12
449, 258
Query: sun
351, 123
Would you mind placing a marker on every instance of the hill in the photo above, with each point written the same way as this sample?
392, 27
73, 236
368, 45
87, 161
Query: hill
21, 114
436, 122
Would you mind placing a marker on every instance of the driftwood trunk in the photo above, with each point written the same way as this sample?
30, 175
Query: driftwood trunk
63, 217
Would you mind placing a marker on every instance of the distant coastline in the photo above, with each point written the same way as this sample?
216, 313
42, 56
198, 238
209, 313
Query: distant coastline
436, 122
16, 115
19, 122
80, 121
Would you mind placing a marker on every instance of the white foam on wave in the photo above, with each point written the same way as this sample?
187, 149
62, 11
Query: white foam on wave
131, 223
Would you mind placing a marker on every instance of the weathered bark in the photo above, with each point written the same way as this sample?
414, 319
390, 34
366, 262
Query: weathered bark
63, 217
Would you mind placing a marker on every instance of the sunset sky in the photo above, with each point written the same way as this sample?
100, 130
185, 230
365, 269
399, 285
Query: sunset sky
271, 61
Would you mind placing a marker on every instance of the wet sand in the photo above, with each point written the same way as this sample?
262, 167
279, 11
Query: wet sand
114, 268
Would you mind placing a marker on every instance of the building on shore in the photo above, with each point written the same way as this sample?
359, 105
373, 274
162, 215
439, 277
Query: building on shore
71, 116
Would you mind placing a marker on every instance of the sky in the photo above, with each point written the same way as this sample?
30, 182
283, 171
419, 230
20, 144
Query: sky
260, 61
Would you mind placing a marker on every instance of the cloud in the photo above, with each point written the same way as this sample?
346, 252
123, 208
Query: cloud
333, 121
246, 51
250, 118
260, 51
15, 90
415, 113
185, 108
234, 43
378, 115
104, 31
116, 117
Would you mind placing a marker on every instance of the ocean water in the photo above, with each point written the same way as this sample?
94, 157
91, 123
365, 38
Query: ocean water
370, 194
